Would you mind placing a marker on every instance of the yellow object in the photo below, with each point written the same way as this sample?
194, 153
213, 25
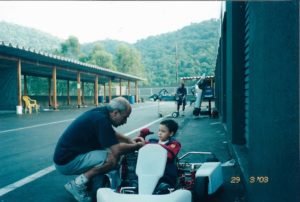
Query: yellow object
30, 103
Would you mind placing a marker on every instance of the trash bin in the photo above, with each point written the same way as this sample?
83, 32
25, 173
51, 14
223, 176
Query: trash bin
131, 99
19, 109
100, 99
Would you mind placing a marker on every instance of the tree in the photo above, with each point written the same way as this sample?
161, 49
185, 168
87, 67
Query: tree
128, 60
70, 48
101, 58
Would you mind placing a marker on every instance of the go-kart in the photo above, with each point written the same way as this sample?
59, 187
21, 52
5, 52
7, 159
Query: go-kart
163, 95
140, 174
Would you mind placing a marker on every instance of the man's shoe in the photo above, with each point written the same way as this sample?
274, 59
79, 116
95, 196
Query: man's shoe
79, 192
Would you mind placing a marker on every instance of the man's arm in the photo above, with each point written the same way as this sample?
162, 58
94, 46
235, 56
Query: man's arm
122, 138
122, 148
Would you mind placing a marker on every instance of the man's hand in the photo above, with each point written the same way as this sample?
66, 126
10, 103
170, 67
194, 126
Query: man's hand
138, 139
140, 143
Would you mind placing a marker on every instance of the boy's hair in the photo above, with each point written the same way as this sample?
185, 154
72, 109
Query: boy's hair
171, 125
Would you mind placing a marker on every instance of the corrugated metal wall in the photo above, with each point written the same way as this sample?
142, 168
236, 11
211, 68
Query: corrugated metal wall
247, 73
257, 79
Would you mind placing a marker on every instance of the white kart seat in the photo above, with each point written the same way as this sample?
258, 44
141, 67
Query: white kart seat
150, 167
213, 171
108, 195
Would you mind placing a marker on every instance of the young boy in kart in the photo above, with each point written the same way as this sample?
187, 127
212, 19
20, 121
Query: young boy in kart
166, 135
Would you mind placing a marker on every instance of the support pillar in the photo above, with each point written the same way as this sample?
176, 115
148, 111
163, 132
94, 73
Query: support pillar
54, 88
49, 91
19, 83
78, 90
82, 94
104, 93
25, 84
128, 92
68, 93
136, 92
109, 90
120, 87
96, 91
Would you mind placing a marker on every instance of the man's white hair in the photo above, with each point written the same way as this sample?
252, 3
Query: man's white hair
118, 103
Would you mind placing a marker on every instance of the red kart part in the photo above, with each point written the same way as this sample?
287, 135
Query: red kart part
144, 132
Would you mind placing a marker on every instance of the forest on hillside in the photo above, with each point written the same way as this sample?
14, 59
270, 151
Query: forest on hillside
161, 59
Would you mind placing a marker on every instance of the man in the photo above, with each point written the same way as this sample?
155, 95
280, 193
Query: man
181, 98
90, 146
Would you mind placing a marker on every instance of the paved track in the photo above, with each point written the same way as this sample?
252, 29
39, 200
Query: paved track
27, 145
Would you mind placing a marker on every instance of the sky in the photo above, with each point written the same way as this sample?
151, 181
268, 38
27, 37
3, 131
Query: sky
99, 20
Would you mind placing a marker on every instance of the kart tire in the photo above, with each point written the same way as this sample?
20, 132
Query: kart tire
175, 114
196, 112
200, 191
106, 182
155, 97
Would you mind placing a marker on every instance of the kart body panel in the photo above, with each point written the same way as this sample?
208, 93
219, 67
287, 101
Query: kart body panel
108, 195
195, 180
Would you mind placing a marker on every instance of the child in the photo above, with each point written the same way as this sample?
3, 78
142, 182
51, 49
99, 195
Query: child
166, 134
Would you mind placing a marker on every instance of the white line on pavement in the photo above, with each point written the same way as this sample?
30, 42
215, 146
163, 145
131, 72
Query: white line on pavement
49, 169
35, 126
144, 107
26, 180
214, 123
149, 124
56, 122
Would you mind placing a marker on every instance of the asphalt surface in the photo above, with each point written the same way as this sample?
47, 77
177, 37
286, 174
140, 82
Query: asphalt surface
28, 142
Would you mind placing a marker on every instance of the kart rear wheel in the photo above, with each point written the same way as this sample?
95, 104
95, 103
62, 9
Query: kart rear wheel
106, 182
200, 191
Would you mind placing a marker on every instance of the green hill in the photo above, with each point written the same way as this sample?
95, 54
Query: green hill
196, 53
196, 50
28, 37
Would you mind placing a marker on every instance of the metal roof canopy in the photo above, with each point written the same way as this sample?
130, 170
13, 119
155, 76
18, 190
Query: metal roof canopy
196, 77
38, 63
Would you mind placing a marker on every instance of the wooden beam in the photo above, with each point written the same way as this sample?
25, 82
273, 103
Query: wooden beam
49, 91
109, 90
19, 83
78, 90
128, 92
68, 93
54, 88
136, 92
25, 84
104, 93
120, 87
82, 93
96, 91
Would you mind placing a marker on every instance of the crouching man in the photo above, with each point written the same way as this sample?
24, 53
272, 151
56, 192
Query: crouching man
90, 147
